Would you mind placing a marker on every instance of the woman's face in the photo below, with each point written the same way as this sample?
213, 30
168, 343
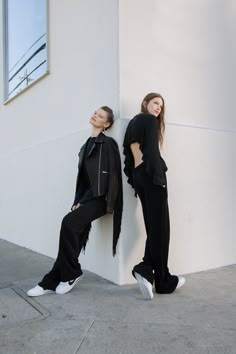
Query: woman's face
154, 106
99, 119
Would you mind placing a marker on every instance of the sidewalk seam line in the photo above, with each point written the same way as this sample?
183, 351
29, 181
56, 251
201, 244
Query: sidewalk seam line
77, 350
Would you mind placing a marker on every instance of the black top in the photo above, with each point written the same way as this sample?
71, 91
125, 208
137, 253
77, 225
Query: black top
143, 128
87, 194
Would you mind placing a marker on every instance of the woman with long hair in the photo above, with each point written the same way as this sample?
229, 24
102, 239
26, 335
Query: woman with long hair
146, 172
98, 191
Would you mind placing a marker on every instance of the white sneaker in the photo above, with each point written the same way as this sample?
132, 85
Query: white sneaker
181, 282
65, 287
144, 286
38, 290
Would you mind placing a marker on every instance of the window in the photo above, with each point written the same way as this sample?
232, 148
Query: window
25, 44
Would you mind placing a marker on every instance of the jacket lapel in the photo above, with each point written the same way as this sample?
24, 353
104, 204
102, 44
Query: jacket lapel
99, 139
81, 155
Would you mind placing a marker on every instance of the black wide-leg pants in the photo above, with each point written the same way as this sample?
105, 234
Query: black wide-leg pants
156, 218
73, 236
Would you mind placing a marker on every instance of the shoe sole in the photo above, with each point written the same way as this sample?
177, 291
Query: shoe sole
71, 286
144, 288
46, 292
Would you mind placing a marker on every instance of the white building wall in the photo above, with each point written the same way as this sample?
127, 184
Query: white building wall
186, 51
43, 128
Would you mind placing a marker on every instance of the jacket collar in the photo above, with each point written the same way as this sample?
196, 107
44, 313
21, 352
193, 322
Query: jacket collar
100, 138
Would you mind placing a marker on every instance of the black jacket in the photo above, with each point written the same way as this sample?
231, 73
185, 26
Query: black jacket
104, 173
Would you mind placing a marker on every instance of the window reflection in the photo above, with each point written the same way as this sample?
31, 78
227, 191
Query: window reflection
25, 44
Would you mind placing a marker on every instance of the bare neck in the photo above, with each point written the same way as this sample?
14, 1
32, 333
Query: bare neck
95, 132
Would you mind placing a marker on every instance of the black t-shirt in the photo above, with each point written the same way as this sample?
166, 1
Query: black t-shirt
87, 195
143, 129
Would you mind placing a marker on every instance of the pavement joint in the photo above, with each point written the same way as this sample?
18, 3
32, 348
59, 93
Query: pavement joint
6, 315
85, 335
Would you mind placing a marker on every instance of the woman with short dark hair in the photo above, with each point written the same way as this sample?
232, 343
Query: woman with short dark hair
98, 191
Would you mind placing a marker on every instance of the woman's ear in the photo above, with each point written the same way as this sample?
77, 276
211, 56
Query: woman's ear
106, 125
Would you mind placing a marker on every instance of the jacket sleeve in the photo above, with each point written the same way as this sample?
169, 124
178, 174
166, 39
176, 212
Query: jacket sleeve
76, 198
155, 165
115, 192
79, 193
115, 177
79, 184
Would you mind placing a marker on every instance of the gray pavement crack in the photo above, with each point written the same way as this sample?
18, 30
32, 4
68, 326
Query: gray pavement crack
77, 350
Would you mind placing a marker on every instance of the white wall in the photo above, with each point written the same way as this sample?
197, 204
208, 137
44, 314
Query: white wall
43, 128
185, 50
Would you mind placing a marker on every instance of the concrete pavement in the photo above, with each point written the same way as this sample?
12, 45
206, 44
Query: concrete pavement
98, 316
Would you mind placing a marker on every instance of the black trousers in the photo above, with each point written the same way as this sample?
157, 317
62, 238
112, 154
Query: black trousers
73, 237
156, 218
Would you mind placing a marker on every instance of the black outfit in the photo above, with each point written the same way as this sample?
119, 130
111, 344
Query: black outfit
149, 181
99, 191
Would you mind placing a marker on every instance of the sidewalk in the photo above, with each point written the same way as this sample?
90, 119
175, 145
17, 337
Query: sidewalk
98, 316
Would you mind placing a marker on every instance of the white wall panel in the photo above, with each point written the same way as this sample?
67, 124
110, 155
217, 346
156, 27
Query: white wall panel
43, 128
186, 51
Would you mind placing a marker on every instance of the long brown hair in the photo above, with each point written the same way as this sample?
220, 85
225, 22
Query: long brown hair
161, 116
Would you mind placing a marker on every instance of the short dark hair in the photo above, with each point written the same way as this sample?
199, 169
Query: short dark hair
110, 115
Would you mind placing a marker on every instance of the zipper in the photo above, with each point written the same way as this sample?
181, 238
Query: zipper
99, 168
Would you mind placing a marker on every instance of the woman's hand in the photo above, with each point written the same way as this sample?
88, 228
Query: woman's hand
75, 206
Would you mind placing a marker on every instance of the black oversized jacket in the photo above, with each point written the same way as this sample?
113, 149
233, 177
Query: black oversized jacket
104, 172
